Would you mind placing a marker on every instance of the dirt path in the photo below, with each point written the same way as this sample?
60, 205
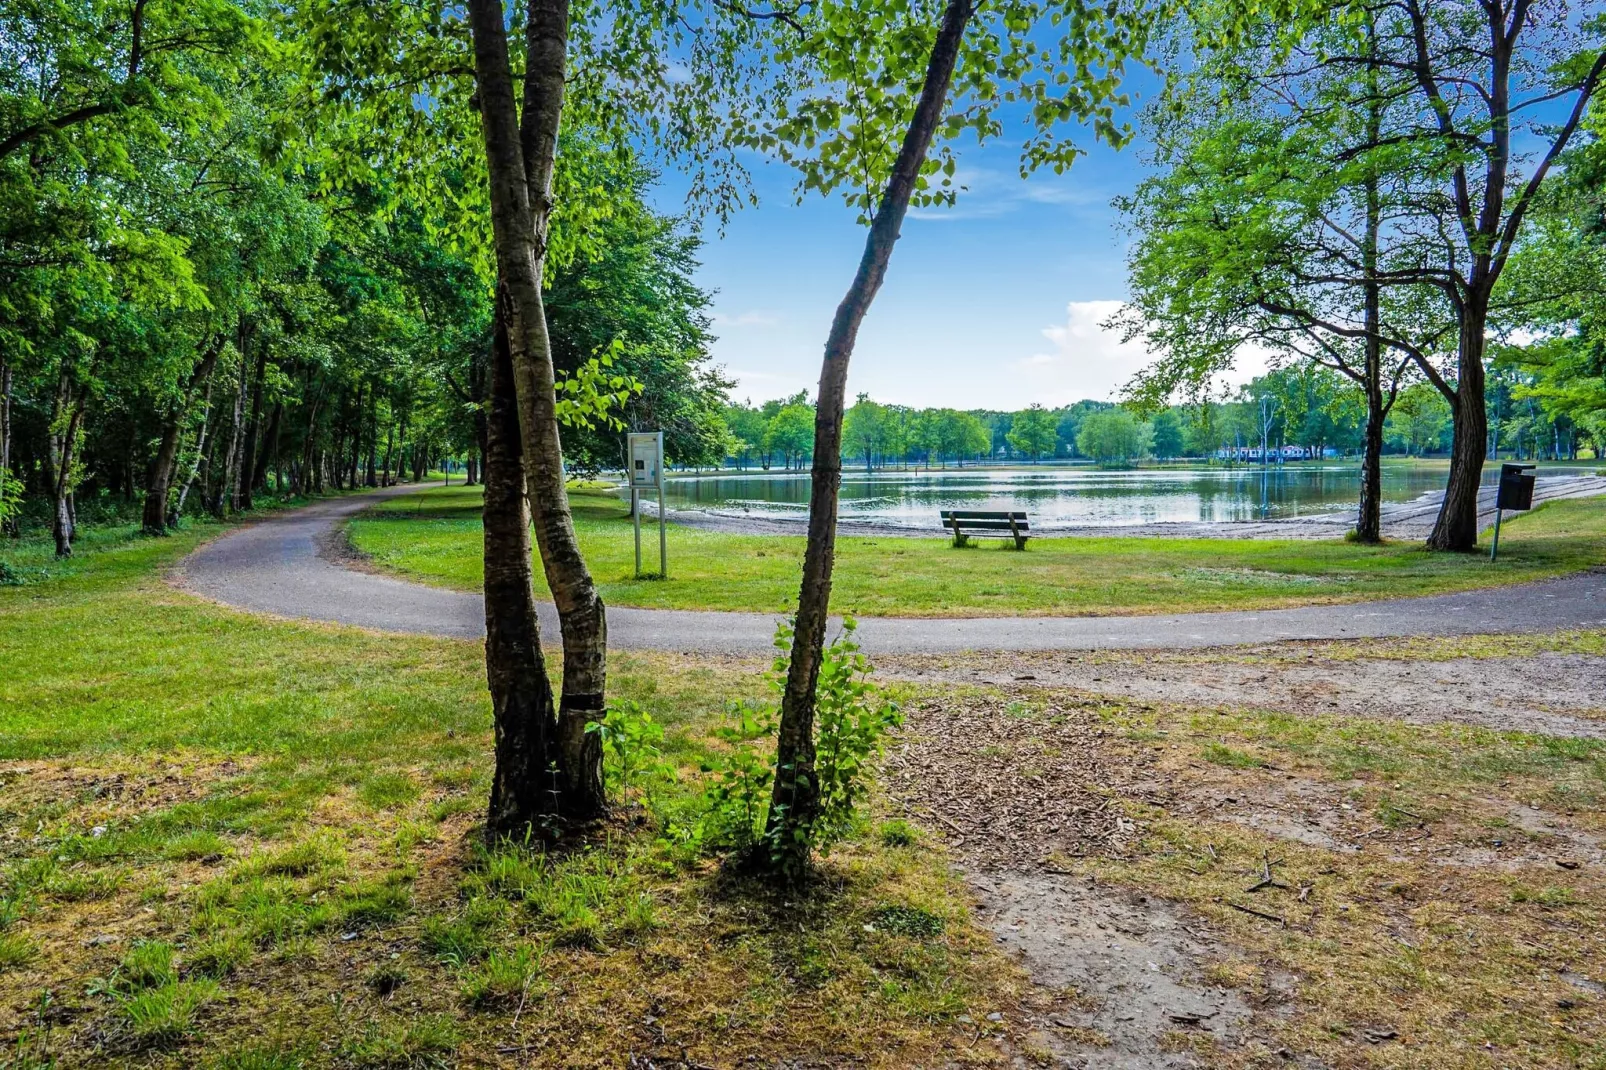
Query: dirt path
1549, 693
1043, 771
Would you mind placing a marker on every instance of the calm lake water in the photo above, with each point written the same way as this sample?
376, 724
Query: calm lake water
1063, 497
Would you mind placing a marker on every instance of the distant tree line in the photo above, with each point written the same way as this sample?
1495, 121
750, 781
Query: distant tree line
1299, 405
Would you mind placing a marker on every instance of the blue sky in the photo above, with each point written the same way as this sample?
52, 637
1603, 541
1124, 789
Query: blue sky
972, 289
993, 303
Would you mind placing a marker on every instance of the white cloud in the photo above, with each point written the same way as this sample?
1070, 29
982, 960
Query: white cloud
754, 317
1091, 360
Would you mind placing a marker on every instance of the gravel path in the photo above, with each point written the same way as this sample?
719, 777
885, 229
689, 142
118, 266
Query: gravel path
290, 565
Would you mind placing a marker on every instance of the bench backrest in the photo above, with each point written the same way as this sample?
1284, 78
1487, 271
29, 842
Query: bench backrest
985, 520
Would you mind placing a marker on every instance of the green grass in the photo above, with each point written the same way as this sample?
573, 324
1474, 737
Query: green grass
254, 844
435, 537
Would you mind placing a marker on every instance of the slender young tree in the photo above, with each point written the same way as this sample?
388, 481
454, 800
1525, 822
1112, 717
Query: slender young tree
1090, 47
795, 801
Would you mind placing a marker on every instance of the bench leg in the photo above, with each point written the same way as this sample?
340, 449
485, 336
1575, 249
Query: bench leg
1020, 542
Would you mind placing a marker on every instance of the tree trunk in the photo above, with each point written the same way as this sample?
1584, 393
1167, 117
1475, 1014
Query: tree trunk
223, 500
371, 477
154, 517
390, 445
519, 159
526, 790
268, 449
64, 425
9, 526
1457, 525
795, 799
202, 446
5, 418
253, 432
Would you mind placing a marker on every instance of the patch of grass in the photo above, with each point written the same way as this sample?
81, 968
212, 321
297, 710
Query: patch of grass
388, 791
195, 845
376, 900
148, 964
167, 1013
1231, 757
908, 921
403, 1045
297, 860
386, 978
465, 937
504, 978
435, 537
218, 956
262, 1057
16, 951
898, 833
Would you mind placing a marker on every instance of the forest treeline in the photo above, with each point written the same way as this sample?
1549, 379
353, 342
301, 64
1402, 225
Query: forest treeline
1301, 405
210, 291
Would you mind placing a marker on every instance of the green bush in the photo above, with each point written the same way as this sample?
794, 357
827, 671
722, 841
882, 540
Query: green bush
632, 745
852, 719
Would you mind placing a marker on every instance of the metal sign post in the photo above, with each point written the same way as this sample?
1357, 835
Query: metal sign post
645, 458
1516, 491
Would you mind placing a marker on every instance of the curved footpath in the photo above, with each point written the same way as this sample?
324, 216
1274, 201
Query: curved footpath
289, 565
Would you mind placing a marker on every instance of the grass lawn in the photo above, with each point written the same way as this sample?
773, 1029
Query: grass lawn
434, 536
244, 844
238, 843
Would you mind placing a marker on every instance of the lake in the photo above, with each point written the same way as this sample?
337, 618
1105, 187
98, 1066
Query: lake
1060, 497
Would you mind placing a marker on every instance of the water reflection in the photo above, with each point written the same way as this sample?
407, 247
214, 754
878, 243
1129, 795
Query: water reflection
1063, 497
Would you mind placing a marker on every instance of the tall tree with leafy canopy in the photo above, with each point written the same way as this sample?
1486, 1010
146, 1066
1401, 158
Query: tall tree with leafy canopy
665, 77
1031, 433
1478, 102
867, 126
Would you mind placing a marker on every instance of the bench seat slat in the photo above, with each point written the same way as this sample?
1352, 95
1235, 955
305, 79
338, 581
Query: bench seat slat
971, 525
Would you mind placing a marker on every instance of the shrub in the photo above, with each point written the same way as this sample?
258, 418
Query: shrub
632, 744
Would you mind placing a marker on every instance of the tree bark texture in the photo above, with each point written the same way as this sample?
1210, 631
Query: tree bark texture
526, 788
520, 159
1457, 525
795, 799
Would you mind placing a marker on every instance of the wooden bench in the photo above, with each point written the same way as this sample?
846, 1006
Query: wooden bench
984, 524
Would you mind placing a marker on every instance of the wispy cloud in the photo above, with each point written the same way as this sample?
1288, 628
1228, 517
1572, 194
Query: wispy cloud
988, 193
1091, 360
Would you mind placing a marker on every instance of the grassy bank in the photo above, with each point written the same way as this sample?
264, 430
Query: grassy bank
236, 843
435, 537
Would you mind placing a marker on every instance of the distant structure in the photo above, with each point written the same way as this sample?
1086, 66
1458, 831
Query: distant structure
1277, 453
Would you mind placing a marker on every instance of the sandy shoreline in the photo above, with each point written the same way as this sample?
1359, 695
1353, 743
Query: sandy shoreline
1401, 520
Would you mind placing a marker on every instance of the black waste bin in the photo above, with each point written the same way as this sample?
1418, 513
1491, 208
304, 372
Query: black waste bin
1516, 487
